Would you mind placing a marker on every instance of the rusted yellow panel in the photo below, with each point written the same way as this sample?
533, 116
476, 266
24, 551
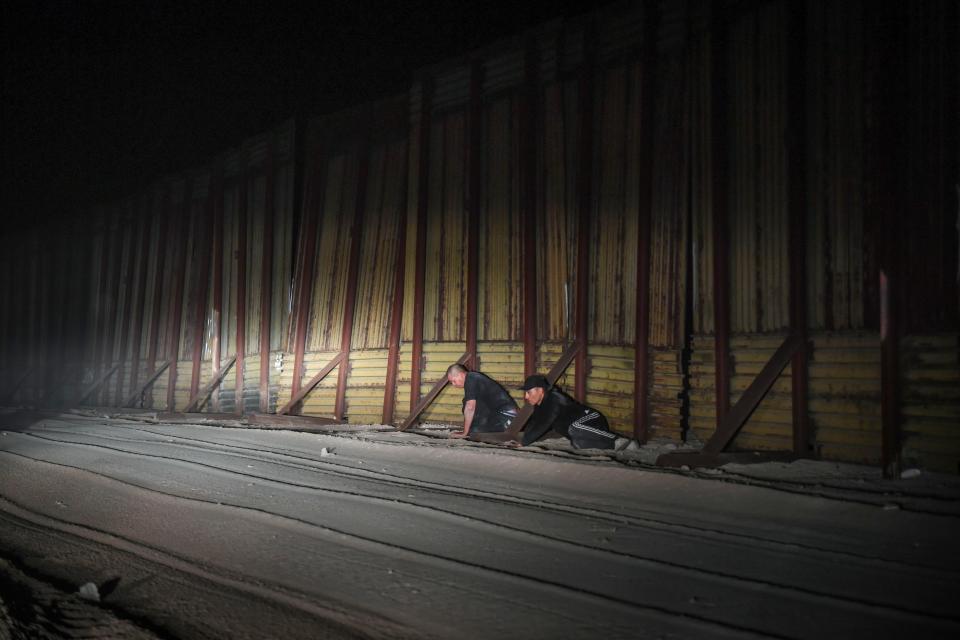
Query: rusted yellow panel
499, 301
556, 247
380, 246
930, 401
333, 248
446, 251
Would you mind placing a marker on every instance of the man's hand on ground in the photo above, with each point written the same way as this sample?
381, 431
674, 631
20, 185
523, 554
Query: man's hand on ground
458, 434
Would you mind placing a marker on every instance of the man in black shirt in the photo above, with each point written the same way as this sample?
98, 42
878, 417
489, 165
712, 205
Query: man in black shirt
487, 407
587, 428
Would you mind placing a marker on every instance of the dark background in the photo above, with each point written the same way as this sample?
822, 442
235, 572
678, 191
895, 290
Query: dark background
99, 98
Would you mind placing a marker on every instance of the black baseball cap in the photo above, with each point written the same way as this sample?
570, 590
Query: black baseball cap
536, 380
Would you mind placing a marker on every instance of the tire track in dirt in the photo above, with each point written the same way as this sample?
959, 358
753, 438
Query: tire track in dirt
620, 610
330, 466
703, 574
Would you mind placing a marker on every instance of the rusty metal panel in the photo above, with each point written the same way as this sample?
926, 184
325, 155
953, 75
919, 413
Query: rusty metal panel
930, 401
452, 88
256, 212
230, 231
701, 177
844, 394
758, 194
557, 212
614, 229
669, 205
446, 250
382, 236
333, 244
499, 304
836, 264
283, 249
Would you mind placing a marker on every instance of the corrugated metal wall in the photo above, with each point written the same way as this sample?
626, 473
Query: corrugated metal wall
170, 274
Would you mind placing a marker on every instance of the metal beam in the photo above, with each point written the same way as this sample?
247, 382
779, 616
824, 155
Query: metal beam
420, 251
176, 304
797, 211
584, 206
889, 374
353, 278
144, 267
474, 156
158, 279
16, 387
529, 117
741, 411
127, 311
430, 397
151, 378
396, 312
96, 385
266, 277
721, 250
241, 337
216, 347
202, 249
312, 207
113, 317
204, 393
103, 277
314, 381
641, 363
523, 416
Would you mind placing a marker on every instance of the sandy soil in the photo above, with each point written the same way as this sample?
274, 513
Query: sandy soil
202, 531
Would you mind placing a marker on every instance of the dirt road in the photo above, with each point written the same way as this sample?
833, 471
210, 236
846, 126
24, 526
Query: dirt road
209, 532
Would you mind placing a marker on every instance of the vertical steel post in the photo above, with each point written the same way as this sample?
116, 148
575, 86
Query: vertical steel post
641, 364
529, 105
797, 212
216, 347
176, 303
128, 306
475, 156
202, 250
886, 201
889, 372
144, 267
420, 252
103, 281
585, 206
353, 277
266, 276
241, 338
719, 205
396, 311
158, 278
312, 208
113, 298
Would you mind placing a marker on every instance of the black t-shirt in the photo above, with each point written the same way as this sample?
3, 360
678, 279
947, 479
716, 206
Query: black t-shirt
557, 411
487, 393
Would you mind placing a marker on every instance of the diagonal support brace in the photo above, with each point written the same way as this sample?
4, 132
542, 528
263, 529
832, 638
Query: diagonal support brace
314, 381
204, 393
428, 399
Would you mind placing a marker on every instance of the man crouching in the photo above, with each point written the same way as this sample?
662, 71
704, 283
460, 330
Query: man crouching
587, 428
487, 407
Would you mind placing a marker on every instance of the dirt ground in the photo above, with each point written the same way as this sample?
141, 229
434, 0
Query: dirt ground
128, 527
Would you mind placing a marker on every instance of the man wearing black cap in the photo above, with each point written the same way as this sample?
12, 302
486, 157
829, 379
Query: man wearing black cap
487, 407
553, 409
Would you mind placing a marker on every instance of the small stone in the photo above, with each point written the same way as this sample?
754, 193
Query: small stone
89, 592
891, 506
910, 473
685, 468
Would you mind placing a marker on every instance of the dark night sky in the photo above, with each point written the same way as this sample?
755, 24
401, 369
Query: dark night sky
101, 97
